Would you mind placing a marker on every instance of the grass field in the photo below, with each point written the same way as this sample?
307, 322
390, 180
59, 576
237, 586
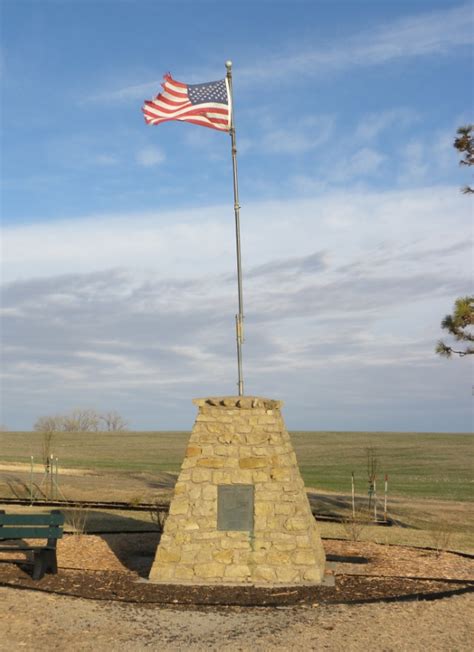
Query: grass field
419, 465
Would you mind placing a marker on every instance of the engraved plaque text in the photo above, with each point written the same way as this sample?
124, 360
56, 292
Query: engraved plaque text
235, 507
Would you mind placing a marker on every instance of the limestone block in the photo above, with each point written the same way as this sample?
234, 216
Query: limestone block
223, 556
210, 463
230, 544
165, 555
194, 492
306, 557
180, 488
221, 477
188, 556
163, 573
256, 437
240, 476
260, 476
204, 555
285, 508
179, 507
201, 475
285, 547
253, 462
180, 537
184, 572
259, 451
296, 523
209, 492
209, 569
281, 475
189, 462
208, 536
287, 574
264, 508
228, 450
265, 573
236, 571
192, 450
208, 450
278, 558
313, 575
205, 508
276, 523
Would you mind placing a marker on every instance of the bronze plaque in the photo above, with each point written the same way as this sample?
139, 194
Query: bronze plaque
235, 507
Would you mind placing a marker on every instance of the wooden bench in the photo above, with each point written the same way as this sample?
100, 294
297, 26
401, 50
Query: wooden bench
18, 527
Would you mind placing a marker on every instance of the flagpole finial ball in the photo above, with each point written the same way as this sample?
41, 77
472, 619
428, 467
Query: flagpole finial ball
228, 64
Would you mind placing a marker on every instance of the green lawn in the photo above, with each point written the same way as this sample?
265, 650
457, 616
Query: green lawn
421, 465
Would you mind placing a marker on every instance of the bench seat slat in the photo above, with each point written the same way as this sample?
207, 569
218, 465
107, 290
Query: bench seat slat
31, 519
7, 547
30, 532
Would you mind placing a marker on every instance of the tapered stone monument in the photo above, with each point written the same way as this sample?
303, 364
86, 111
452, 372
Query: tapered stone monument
239, 514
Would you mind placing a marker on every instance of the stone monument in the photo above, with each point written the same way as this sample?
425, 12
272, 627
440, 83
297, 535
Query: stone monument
239, 514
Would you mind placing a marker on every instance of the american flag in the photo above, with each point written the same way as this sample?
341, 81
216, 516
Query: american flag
202, 104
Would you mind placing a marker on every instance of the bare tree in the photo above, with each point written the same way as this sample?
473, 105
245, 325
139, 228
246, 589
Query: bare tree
81, 420
113, 422
372, 466
52, 423
46, 449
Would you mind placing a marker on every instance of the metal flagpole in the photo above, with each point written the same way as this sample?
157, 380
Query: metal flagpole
239, 319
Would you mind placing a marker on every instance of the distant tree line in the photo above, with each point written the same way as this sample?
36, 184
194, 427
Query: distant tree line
81, 420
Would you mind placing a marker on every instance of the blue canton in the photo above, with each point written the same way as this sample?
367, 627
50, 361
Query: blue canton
211, 92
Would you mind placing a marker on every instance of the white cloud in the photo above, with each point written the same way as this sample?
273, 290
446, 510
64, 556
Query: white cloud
343, 296
150, 156
177, 243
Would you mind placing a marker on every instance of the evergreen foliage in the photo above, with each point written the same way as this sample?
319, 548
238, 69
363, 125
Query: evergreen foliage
460, 326
464, 143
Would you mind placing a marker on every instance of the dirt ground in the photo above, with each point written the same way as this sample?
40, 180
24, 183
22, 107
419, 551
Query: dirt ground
39, 615
36, 621
44, 615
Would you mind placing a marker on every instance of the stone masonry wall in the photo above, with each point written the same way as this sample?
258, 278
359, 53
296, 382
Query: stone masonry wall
240, 440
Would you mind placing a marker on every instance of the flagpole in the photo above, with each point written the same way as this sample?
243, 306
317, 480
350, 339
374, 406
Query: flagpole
239, 318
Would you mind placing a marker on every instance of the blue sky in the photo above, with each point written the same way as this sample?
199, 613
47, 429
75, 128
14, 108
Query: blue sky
118, 239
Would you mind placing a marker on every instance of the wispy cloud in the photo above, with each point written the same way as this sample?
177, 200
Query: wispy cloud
308, 134
150, 156
374, 124
429, 33
425, 34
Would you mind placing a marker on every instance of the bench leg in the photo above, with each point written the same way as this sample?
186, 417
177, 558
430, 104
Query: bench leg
45, 561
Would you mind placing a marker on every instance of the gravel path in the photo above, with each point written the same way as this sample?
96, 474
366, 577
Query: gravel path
36, 621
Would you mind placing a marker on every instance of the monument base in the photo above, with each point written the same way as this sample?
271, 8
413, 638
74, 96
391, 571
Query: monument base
239, 514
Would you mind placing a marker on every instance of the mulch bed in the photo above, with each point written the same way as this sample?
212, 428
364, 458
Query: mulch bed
114, 567
127, 587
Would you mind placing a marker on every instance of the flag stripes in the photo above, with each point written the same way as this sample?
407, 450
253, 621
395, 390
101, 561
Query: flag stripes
202, 104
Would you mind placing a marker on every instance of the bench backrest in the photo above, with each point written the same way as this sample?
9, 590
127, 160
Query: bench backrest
31, 526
